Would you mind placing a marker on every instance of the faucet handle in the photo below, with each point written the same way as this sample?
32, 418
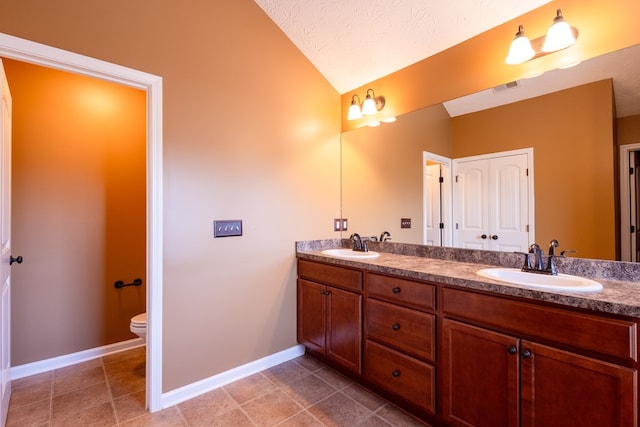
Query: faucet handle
527, 260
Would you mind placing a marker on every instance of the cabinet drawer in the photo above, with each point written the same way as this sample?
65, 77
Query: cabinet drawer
409, 293
404, 376
340, 277
603, 335
404, 329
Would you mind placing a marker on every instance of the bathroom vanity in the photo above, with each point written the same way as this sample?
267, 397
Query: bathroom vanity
457, 349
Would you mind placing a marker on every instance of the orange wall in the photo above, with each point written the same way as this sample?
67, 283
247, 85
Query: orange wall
478, 63
628, 130
78, 211
251, 132
575, 188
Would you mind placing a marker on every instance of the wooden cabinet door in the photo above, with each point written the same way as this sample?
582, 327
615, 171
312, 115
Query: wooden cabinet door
312, 308
566, 389
480, 371
344, 328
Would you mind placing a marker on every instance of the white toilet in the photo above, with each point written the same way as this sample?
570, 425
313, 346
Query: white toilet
139, 325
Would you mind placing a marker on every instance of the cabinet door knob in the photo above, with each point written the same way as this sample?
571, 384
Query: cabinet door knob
396, 290
512, 349
395, 326
484, 236
395, 373
494, 237
525, 353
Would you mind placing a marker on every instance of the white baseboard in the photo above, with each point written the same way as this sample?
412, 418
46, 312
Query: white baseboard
46, 365
192, 390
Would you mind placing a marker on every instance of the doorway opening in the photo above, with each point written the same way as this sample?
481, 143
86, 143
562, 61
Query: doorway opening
23, 50
630, 202
436, 200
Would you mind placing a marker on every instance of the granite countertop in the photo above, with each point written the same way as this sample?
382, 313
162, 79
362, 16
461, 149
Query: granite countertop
621, 297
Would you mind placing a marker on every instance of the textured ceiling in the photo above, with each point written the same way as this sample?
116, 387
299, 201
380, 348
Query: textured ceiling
353, 42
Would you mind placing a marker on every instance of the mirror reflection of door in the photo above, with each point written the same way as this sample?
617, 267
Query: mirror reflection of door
437, 200
634, 187
493, 196
434, 222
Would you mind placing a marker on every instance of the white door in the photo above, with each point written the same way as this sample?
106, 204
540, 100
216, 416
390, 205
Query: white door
472, 210
493, 202
433, 205
5, 246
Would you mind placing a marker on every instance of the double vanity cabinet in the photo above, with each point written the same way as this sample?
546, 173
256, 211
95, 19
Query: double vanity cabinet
455, 356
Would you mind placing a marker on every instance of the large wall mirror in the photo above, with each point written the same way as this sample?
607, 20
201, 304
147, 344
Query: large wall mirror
574, 119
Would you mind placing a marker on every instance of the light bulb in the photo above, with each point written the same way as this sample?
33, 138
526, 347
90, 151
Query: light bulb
559, 36
520, 50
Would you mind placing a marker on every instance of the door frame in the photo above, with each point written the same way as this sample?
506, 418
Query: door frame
47, 56
447, 217
625, 206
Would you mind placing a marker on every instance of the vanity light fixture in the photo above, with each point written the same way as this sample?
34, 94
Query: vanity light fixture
520, 50
354, 110
559, 36
371, 105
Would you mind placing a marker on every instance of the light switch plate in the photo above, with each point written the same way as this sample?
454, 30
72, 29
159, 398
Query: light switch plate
227, 228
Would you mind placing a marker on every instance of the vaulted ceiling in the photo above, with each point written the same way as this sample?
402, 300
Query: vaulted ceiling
353, 42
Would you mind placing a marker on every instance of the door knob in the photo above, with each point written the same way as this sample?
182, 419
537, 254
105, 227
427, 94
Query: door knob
17, 259
484, 236
494, 237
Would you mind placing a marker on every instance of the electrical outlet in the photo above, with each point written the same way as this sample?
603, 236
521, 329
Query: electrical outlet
340, 224
405, 222
227, 228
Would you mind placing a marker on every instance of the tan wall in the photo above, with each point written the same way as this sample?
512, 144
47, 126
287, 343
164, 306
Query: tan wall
478, 63
628, 130
78, 211
573, 161
251, 132
382, 173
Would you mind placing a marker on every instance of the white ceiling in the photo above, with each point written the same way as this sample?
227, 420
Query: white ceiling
353, 42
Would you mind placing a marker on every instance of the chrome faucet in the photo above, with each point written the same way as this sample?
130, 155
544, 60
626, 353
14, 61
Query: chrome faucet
359, 245
385, 236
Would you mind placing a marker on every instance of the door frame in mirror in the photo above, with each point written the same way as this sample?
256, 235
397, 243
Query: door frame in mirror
446, 200
625, 205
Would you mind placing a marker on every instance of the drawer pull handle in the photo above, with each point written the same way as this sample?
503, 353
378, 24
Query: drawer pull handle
395, 373
525, 354
512, 349
396, 290
395, 326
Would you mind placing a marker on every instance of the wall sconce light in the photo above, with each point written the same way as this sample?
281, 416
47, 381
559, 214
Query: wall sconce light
559, 36
354, 109
371, 105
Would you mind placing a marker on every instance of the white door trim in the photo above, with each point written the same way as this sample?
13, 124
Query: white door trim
625, 207
447, 218
36, 53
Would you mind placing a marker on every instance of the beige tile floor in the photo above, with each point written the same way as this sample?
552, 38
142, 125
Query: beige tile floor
110, 391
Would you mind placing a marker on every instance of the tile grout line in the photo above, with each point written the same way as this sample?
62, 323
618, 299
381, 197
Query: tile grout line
240, 406
110, 392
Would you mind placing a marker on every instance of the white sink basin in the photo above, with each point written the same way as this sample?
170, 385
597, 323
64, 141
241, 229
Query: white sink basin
350, 253
561, 282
